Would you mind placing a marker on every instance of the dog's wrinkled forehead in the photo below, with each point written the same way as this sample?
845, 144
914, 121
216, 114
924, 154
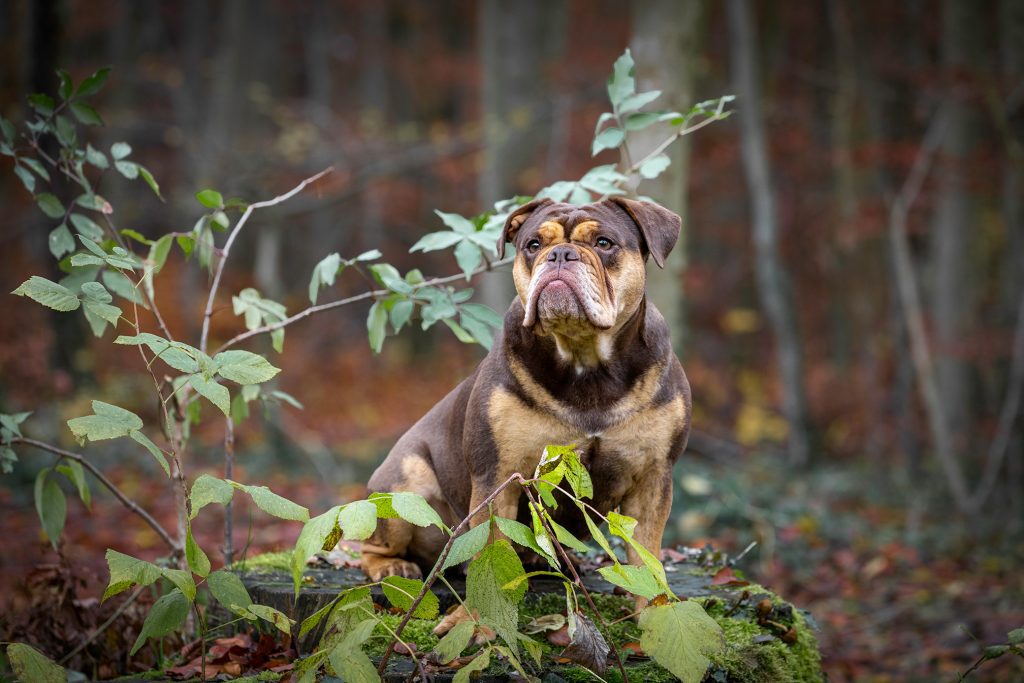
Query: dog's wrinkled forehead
581, 223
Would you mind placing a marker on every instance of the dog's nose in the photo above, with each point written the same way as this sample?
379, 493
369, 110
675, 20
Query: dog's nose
563, 253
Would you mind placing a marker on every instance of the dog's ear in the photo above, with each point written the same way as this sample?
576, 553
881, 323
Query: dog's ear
515, 221
658, 226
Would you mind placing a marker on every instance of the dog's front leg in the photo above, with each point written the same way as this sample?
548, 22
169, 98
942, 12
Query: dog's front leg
649, 502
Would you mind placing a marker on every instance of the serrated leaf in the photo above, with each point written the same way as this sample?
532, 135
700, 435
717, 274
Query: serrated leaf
358, 520
376, 321
33, 666
496, 566
211, 199
401, 591
106, 312
93, 84
273, 504
165, 616
107, 422
214, 392
181, 357
636, 580
272, 616
244, 367
521, 534
50, 205
157, 454
61, 241
229, 591
126, 571
479, 663
680, 637
467, 545
414, 509
348, 659
207, 490
51, 506
86, 114
312, 539
588, 647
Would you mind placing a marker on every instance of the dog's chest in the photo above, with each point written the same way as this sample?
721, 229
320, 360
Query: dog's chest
616, 445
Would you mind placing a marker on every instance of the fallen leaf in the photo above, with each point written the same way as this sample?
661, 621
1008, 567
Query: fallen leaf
588, 646
548, 622
726, 577
560, 637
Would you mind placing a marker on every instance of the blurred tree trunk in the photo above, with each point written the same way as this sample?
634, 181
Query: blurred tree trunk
773, 286
961, 43
517, 40
666, 48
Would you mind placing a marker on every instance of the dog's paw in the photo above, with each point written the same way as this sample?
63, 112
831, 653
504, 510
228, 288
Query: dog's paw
378, 568
458, 615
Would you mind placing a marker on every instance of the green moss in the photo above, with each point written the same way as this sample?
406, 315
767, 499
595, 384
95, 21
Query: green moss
281, 561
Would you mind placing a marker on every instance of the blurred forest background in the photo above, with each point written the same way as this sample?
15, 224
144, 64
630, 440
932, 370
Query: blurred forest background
889, 505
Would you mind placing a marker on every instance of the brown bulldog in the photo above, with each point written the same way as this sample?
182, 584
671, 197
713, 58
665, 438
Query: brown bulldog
583, 359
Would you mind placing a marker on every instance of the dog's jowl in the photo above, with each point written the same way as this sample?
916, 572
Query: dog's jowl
583, 359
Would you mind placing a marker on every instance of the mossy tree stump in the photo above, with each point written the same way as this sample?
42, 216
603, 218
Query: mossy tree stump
767, 639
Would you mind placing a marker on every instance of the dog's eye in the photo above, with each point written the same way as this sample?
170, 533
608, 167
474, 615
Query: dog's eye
532, 246
604, 243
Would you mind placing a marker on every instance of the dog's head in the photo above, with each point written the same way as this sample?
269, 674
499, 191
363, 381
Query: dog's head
579, 270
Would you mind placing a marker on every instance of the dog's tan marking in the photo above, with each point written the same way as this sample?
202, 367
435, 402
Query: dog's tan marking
551, 232
419, 477
584, 232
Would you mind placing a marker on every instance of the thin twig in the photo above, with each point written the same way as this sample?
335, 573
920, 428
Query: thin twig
128, 502
576, 577
104, 626
675, 136
516, 477
374, 294
231, 240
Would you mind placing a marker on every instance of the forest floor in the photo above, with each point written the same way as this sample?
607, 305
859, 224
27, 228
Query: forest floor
888, 609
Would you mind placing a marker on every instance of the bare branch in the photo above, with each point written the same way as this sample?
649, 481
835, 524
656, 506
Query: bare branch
226, 251
128, 502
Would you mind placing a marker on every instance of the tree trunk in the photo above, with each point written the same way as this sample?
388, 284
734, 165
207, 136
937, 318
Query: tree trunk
954, 212
665, 44
773, 286
516, 40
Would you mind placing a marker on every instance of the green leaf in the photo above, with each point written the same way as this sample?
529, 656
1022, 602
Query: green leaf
119, 150
496, 566
215, 393
181, 357
467, 545
479, 663
27, 179
349, 661
358, 520
128, 169
42, 103
229, 591
400, 313
478, 331
414, 509
567, 539
468, 256
244, 367
211, 199
50, 205
640, 120
95, 202
654, 166
273, 504
33, 666
1015, 637
634, 102
388, 275
620, 83
460, 333
86, 114
107, 422
107, 312
96, 157
61, 241
197, 560
577, 475
636, 580
311, 622
401, 591
159, 250
458, 223
51, 506
206, 490
680, 637
75, 473
455, 641
521, 534
165, 616
151, 181
65, 130
609, 138
596, 532
122, 286
126, 571
86, 227
93, 84
324, 273
314, 537
272, 616
434, 241
8, 129
375, 325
